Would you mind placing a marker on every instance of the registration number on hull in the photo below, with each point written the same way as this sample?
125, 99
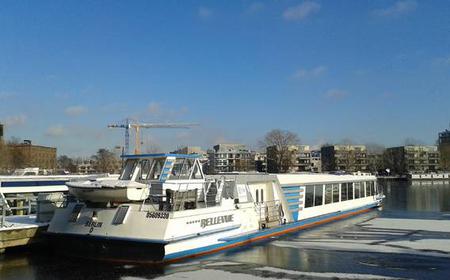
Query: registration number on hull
157, 215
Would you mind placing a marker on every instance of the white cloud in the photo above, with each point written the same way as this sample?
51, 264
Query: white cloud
302, 11
310, 73
15, 120
204, 12
55, 131
398, 9
154, 108
74, 111
336, 94
158, 110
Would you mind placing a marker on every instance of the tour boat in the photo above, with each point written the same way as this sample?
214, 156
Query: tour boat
163, 208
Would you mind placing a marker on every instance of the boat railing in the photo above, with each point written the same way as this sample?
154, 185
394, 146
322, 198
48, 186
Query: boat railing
16, 205
269, 212
191, 196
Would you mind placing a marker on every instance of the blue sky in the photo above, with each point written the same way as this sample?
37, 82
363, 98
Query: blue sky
370, 71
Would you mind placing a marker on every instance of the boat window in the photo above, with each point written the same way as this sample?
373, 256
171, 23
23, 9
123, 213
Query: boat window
262, 195
318, 195
344, 192
157, 168
182, 168
335, 193
197, 173
257, 196
144, 170
328, 194
120, 215
368, 189
350, 191
357, 190
309, 196
363, 189
127, 172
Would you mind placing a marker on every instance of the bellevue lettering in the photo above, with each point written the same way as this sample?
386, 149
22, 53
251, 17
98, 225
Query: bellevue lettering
216, 220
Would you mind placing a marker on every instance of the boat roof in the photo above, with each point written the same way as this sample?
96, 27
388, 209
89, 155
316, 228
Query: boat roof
288, 179
161, 155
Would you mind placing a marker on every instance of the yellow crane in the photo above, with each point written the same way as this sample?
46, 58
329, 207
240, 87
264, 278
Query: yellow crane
130, 123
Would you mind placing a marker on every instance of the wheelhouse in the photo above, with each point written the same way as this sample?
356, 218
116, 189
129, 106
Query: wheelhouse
148, 168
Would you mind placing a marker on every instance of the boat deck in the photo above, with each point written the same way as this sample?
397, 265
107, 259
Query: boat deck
19, 231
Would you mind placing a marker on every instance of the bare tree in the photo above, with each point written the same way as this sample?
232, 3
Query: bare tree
279, 146
375, 157
66, 163
4, 157
105, 161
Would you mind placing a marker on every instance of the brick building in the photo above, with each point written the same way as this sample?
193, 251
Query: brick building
27, 155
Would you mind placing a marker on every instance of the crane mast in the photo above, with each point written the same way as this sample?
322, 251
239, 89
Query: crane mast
136, 126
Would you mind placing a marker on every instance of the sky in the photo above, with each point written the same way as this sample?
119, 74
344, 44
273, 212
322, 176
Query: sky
368, 71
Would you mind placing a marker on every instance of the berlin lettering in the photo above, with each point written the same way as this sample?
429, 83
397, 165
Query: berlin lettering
216, 220
93, 224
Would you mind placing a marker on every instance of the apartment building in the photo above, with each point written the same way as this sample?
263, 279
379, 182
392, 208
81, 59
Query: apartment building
349, 158
230, 158
412, 159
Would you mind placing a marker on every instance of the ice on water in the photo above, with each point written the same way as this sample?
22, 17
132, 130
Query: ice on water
429, 237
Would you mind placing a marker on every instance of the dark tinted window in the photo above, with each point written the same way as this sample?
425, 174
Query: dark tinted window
344, 192
328, 194
309, 196
350, 191
335, 193
357, 190
318, 195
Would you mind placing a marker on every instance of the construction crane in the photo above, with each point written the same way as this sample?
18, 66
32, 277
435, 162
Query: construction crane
130, 123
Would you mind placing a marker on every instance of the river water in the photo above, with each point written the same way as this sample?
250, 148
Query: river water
412, 246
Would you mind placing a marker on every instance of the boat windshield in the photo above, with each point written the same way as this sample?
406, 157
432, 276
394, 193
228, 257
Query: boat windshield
157, 168
128, 170
181, 169
143, 170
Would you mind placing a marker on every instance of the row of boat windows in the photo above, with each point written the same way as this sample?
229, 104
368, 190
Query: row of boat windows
317, 195
151, 169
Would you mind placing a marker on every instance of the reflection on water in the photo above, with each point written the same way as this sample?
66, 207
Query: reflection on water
402, 199
418, 196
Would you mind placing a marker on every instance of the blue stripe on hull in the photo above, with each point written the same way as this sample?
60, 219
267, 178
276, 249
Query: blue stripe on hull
263, 233
32, 183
